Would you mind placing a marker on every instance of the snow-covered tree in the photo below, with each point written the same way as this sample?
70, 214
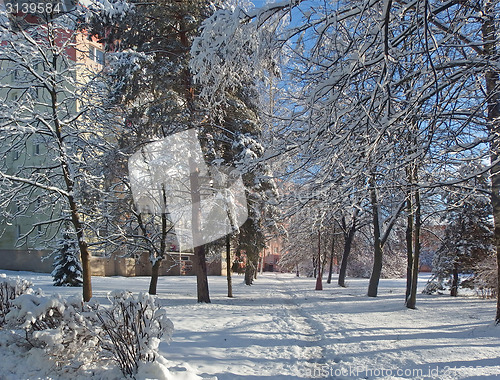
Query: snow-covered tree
67, 267
50, 131
246, 153
149, 81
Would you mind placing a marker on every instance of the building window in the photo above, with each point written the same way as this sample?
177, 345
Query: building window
96, 55
33, 92
17, 75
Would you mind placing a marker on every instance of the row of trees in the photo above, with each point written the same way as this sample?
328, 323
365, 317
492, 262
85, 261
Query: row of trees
383, 108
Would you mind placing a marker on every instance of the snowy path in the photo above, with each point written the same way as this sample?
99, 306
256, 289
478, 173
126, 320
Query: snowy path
444, 338
260, 334
281, 328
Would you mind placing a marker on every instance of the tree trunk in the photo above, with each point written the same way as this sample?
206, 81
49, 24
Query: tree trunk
378, 250
228, 267
83, 246
492, 78
454, 284
330, 269
199, 251
348, 238
155, 270
412, 298
332, 256
249, 269
319, 280
201, 274
155, 273
82, 243
86, 271
409, 244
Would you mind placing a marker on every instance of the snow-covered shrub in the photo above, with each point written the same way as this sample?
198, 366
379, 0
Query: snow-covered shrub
10, 288
74, 334
33, 312
486, 278
434, 285
132, 328
66, 330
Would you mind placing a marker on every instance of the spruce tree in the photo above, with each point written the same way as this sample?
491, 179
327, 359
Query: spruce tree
148, 78
67, 267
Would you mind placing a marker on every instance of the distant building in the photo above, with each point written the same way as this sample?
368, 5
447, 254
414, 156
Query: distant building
431, 239
271, 255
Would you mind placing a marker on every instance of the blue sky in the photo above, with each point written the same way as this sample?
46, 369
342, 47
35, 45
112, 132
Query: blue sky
259, 3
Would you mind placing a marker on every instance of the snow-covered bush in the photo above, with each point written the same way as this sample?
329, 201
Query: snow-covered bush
73, 334
132, 328
486, 278
434, 285
66, 329
482, 278
10, 288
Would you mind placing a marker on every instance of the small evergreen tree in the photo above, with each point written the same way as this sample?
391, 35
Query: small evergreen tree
67, 267
468, 239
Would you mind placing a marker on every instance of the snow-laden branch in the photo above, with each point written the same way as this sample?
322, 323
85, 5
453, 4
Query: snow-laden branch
30, 182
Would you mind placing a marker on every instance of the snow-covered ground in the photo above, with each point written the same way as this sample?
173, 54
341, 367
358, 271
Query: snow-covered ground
281, 328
